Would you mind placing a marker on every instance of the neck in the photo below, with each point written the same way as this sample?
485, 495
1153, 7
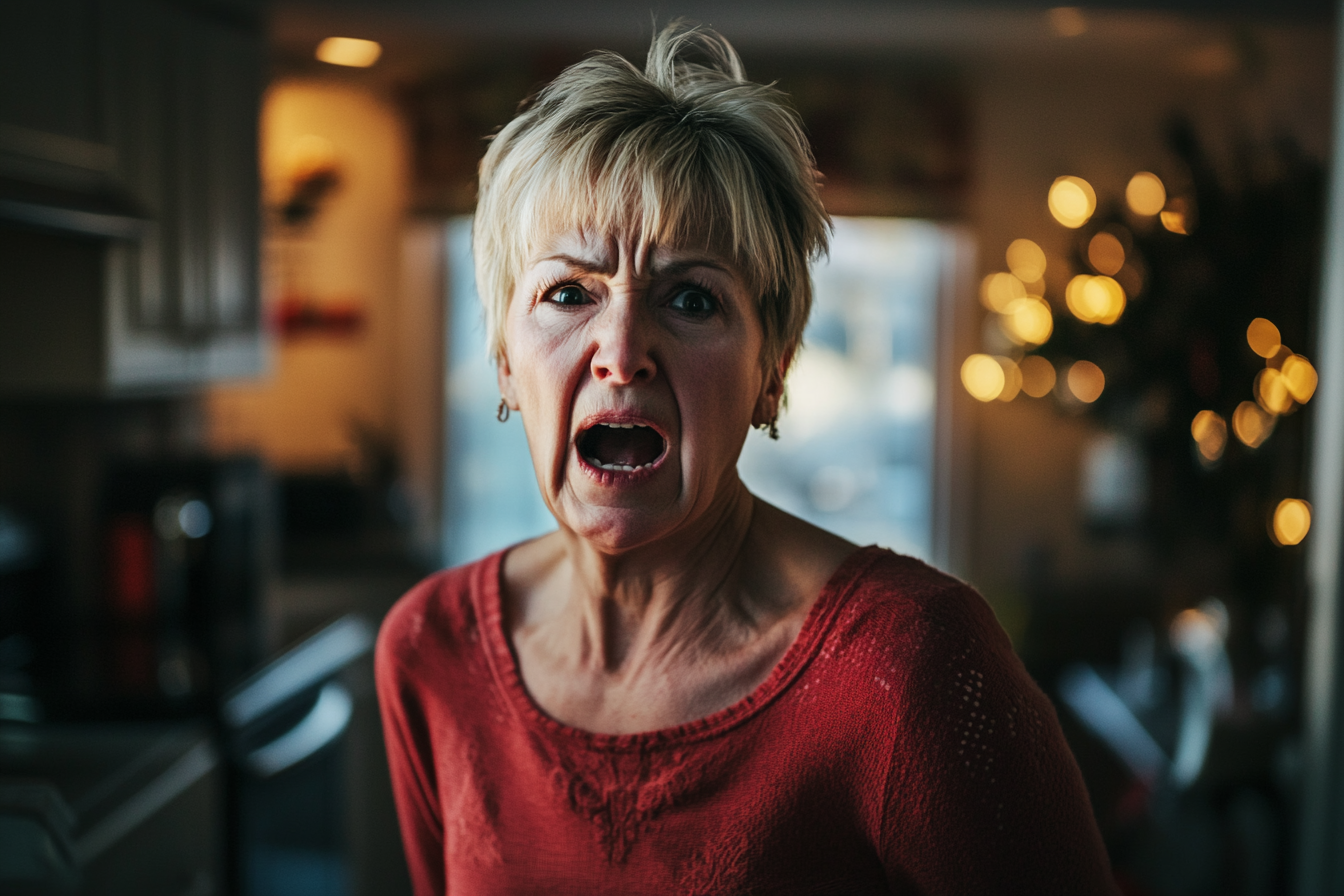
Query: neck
682, 593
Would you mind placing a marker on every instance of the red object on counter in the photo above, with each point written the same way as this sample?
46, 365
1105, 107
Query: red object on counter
899, 746
130, 566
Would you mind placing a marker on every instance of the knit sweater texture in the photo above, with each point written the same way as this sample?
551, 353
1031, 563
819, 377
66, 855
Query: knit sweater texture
898, 747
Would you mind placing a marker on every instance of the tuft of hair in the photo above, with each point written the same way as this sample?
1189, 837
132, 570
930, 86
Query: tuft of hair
687, 152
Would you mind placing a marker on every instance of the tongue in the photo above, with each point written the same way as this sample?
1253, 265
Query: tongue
631, 447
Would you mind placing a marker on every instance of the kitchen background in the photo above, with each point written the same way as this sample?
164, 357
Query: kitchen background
1073, 343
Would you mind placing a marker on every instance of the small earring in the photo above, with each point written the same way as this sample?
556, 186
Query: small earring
771, 428
502, 414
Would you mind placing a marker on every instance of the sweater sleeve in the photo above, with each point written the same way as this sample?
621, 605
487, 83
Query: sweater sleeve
983, 793
409, 749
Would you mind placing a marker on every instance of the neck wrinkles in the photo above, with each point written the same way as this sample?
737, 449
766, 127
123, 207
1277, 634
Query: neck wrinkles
680, 594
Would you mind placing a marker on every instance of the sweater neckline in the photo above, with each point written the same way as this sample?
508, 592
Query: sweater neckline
504, 662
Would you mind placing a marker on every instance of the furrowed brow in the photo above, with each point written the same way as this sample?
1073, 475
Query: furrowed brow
681, 266
583, 264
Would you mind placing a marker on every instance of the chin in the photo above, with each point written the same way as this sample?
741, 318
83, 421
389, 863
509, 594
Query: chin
615, 530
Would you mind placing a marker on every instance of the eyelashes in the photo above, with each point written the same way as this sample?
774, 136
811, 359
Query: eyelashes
702, 286
548, 286
549, 289
694, 301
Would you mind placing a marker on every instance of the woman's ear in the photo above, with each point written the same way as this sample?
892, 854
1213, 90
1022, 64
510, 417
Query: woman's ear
504, 376
772, 392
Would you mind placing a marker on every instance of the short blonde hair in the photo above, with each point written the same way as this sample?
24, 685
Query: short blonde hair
683, 153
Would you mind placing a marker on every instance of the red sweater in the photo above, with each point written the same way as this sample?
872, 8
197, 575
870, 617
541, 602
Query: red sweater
898, 747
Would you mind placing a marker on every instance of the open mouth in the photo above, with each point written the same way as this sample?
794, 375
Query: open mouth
624, 447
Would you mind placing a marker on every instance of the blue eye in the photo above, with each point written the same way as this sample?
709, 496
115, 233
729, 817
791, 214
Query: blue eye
568, 295
695, 302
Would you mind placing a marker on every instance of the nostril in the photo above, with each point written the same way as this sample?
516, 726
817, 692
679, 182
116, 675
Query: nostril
624, 368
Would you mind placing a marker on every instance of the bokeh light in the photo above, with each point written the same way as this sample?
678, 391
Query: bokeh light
1252, 424
1095, 300
1028, 321
1105, 253
1038, 376
1174, 221
1176, 217
1074, 299
1300, 378
1145, 194
983, 377
349, 51
1271, 391
1209, 431
1263, 337
1115, 297
1086, 381
1072, 201
1026, 260
1012, 378
998, 290
1292, 521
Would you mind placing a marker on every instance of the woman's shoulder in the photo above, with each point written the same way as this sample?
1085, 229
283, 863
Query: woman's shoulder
920, 625
876, 586
894, 590
437, 615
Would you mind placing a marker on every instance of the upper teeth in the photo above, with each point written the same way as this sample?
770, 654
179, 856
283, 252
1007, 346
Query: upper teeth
625, 425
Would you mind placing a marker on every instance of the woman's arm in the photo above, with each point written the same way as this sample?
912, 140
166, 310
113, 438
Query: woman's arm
983, 794
410, 760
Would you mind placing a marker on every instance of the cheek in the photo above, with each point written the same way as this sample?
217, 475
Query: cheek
544, 358
717, 392
546, 363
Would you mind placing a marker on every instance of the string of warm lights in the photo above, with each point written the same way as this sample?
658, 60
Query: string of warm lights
1017, 298
1016, 301
1288, 380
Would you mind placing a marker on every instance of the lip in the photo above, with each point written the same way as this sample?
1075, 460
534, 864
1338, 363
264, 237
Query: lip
619, 477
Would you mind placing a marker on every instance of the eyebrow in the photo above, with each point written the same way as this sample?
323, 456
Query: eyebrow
676, 268
583, 264
671, 269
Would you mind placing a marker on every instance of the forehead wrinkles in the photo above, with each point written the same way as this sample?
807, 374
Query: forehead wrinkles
646, 200
609, 254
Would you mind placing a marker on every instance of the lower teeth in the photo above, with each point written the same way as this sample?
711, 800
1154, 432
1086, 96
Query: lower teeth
623, 468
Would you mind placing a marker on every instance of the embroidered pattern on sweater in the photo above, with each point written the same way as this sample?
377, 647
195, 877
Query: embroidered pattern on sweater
622, 793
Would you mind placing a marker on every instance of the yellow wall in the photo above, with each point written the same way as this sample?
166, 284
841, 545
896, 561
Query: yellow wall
301, 416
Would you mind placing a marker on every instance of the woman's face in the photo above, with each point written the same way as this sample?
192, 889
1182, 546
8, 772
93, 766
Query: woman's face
637, 372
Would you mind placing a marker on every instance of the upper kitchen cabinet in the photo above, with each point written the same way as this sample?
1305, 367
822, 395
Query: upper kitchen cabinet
128, 195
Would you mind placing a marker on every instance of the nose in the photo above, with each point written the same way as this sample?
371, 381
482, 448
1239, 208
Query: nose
623, 337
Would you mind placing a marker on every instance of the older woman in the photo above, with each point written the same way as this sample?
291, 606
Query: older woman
684, 689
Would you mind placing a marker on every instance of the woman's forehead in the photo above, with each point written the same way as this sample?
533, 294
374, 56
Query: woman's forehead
606, 251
